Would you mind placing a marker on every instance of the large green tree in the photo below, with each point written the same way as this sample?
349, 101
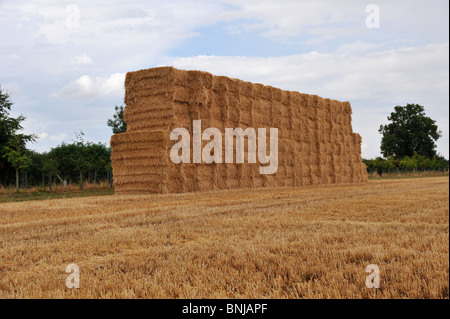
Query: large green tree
17, 157
117, 123
50, 166
11, 127
410, 131
12, 139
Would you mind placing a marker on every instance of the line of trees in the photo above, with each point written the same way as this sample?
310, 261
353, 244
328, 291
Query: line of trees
74, 162
416, 163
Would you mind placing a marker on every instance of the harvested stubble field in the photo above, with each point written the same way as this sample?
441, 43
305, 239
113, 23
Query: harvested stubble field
303, 242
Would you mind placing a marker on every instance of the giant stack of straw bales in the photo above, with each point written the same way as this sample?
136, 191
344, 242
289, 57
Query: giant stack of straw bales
316, 144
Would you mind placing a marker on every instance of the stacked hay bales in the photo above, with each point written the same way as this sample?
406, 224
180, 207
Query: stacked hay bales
316, 144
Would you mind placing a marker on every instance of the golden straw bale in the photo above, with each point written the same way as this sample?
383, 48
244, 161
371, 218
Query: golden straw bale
316, 143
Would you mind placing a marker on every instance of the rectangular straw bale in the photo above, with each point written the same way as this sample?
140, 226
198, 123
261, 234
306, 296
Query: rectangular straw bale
315, 138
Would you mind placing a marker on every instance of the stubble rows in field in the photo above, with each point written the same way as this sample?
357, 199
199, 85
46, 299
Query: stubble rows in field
305, 242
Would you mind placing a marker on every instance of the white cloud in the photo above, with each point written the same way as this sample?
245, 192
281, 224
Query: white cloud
59, 137
287, 18
117, 36
12, 88
41, 53
55, 138
86, 87
82, 60
388, 75
42, 135
359, 47
13, 56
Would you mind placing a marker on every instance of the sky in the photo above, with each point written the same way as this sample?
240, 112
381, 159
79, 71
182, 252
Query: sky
64, 63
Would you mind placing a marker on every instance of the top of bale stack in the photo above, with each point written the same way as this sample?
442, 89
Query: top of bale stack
167, 76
